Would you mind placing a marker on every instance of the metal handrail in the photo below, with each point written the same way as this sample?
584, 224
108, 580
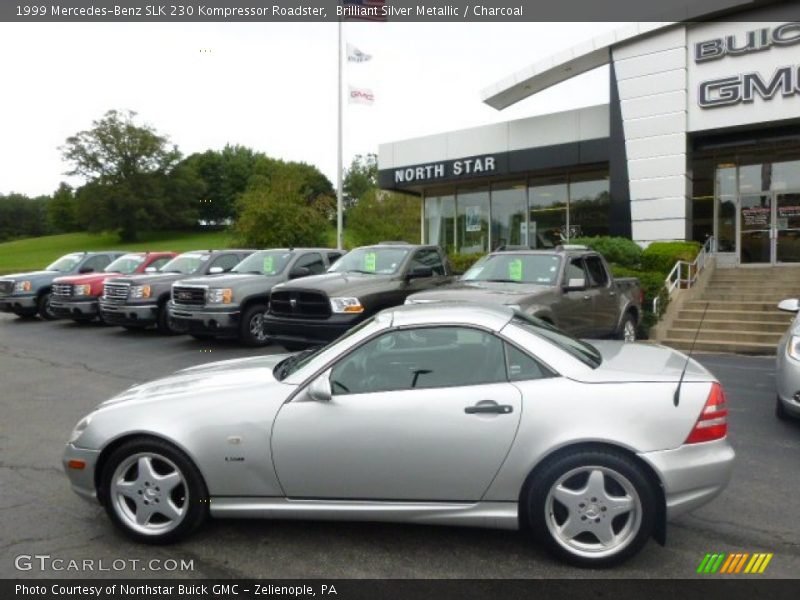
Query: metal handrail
683, 275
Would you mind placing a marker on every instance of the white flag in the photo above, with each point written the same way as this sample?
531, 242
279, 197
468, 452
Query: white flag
355, 55
360, 96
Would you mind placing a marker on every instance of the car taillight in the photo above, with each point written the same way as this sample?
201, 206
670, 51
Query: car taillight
712, 424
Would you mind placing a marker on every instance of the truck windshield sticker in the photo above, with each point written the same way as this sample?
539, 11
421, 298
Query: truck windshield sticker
269, 265
370, 261
515, 269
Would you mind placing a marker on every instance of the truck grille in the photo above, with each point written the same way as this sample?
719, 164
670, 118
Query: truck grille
116, 292
189, 296
300, 304
63, 290
6, 287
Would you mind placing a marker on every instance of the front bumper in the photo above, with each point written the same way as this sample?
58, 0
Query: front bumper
129, 314
693, 474
222, 322
72, 309
81, 480
15, 303
787, 378
313, 332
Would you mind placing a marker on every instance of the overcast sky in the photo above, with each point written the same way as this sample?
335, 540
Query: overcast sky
268, 86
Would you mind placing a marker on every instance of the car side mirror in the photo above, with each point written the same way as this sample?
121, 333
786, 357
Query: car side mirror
575, 285
420, 272
320, 388
299, 272
86, 270
216, 270
790, 305
150, 270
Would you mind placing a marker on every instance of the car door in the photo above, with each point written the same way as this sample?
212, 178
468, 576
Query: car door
416, 414
605, 298
574, 310
426, 257
312, 261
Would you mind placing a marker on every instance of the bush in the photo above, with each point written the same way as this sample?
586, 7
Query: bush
651, 281
662, 256
382, 216
461, 262
617, 250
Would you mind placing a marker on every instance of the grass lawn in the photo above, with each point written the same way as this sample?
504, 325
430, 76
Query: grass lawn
32, 254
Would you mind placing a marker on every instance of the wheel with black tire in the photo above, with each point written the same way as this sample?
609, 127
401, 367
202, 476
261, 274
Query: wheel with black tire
627, 329
591, 508
251, 329
43, 307
164, 322
153, 492
780, 410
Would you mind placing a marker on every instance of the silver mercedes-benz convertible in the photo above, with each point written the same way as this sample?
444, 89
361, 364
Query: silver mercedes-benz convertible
448, 414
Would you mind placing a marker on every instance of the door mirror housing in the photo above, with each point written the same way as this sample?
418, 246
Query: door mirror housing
86, 270
320, 388
297, 272
216, 270
419, 273
790, 305
575, 285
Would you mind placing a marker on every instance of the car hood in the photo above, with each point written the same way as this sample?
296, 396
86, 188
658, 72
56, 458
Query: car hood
86, 278
477, 291
231, 279
222, 378
339, 284
31, 275
643, 362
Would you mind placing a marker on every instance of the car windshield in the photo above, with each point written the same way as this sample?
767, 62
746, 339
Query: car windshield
66, 263
268, 262
586, 353
185, 263
541, 269
125, 264
375, 260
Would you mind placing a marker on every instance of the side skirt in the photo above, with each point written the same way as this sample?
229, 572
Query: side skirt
494, 515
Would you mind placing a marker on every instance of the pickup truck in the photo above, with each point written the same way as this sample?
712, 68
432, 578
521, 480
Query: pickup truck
77, 297
570, 287
29, 294
233, 305
318, 309
140, 301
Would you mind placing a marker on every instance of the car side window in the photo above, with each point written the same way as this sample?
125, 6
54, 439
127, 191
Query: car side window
312, 262
333, 257
522, 367
428, 257
574, 270
421, 358
159, 262
97, 263
226, 262
597, 271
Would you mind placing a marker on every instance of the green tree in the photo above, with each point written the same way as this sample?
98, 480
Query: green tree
276, 214
21, 216
380, 216
126, 166
361, 177
61, 210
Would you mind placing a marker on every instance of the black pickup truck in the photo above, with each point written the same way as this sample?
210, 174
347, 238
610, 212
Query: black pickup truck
140, 301
318, 309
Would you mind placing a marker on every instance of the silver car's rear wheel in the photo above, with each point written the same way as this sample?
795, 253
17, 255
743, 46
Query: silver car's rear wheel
593, 511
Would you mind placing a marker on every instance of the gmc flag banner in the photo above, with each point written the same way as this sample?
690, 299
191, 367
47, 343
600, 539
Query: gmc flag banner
360, 96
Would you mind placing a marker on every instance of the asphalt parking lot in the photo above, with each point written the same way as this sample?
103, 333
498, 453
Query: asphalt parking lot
52, 373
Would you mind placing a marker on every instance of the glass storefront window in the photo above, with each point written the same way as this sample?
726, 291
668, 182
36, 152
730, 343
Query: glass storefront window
473, 220
589, 204
755, 178
702, 206
786, 176
548, 212
508, 215
726, 208
440, 217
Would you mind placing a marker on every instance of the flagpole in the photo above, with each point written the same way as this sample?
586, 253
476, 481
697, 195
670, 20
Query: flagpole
339, 202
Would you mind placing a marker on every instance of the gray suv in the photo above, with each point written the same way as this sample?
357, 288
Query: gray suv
233, 305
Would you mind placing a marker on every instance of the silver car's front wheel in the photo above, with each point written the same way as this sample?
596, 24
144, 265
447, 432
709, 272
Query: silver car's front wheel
152, 491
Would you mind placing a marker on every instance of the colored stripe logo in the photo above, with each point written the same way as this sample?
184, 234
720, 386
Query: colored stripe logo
734, 563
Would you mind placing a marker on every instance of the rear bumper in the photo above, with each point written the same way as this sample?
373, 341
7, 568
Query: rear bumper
81, 480
693, 474
313, 332
129, 314
70, 309
209, 322
15, 303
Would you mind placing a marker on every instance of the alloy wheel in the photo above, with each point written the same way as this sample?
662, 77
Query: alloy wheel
257, 327
629, 331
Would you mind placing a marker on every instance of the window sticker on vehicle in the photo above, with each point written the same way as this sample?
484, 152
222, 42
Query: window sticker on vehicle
515, 269
269, 265
370, 261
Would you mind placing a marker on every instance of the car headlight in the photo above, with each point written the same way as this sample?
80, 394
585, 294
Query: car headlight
514, 306
346, 305
82, 290
79, 429
22, 286
140, 291
793, 347
220, 296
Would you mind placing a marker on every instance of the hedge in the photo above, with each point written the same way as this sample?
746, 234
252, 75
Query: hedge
617, 250
662, 256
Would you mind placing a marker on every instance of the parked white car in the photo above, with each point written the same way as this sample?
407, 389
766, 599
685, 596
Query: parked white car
787, 376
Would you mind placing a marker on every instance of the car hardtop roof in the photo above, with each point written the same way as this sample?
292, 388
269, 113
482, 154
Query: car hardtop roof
298, 250
558, 250
218, 250
489, 315
404, 245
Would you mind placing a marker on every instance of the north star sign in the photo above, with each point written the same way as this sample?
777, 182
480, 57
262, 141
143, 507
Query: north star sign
744, 87
458, 168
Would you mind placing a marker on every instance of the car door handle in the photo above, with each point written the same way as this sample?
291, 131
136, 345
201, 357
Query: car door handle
485, 407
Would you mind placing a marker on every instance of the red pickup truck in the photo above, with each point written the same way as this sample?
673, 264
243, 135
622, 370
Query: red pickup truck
76, 297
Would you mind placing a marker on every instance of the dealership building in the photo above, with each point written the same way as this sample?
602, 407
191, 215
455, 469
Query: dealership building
700, 138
